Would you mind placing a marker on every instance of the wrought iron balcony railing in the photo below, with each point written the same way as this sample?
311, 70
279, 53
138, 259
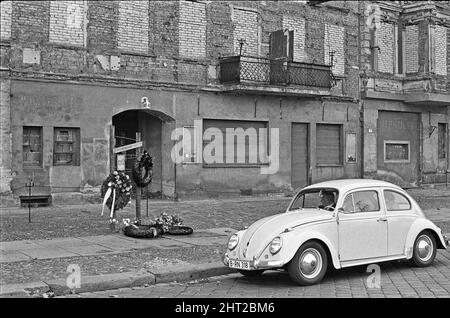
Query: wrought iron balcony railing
238, 69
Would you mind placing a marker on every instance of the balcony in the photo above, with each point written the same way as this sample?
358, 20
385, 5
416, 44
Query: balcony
251, 73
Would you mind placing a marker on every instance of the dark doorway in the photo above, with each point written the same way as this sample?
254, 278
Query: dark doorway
131, 125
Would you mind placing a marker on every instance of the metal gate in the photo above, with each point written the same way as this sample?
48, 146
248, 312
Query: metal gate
398, 145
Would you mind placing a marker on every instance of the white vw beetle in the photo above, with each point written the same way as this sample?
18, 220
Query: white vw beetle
340, 223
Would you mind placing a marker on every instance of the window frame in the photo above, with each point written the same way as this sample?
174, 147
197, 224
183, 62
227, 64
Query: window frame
396, 192
353, 201
403, 142
26, 165
76, 145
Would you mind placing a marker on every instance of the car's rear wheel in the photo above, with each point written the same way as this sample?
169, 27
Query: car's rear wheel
309, 264
251, 273
424, 250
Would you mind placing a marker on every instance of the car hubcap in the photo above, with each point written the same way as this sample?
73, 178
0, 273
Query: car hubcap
310, 263
424, 248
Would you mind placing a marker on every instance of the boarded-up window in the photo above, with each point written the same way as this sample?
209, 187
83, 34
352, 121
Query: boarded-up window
396, 151
66, 150
329, 144
442, 141
32, 146
234, 142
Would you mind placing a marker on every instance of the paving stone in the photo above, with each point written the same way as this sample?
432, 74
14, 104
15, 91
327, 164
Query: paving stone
46, 253
13, 256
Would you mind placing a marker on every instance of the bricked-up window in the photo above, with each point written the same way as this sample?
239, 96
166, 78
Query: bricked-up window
234, 142
67, 22
329, 144
334, 42
412, 48
385, 39
32, 146
246, 28
66, 151
5, 19
442, 141
298, 26
192, 29
441, 50
133, 26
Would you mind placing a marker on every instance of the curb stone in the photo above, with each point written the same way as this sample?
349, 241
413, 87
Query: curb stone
117, 280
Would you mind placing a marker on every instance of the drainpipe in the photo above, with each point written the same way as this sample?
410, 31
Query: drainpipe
361, 103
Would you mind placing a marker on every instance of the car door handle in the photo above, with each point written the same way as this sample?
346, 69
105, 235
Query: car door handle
382, 220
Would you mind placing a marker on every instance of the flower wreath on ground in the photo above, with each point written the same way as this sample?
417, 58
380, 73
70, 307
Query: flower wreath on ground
164, 224
116, 193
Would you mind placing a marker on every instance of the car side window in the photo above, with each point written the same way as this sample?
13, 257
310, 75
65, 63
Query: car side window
396, 201
366, 201
348, 206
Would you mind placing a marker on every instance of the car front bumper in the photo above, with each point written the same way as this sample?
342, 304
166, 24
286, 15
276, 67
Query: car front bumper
257, 264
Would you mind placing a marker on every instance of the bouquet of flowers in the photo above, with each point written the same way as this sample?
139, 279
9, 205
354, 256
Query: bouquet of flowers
116, 192
168, 221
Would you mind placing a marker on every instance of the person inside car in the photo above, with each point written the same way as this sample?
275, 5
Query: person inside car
327, 200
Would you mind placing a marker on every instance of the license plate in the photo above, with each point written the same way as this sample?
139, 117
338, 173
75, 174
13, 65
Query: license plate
239, 264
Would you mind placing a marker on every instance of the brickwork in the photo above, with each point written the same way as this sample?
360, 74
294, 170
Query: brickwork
5, 19
246, 28
103, 25
219, 30
192, 29
67, 20
385, 41
334, 42
30, 21
441, 50
133, 26
412, 48
298, 26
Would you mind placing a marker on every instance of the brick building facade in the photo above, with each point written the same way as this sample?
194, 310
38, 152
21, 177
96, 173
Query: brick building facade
79, 78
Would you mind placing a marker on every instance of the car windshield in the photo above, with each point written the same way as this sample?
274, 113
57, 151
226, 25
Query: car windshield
319, 198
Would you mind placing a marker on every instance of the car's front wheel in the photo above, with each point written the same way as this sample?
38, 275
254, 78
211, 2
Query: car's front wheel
309, 264
424, 250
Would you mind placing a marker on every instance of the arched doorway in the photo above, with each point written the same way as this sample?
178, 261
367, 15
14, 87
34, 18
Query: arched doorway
152, 128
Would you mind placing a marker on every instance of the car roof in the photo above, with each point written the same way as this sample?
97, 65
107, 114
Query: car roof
344, 185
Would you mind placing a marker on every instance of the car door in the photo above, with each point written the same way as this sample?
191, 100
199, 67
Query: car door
400, 217
362, 226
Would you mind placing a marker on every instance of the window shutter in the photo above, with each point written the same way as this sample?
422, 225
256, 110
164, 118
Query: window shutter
328, 144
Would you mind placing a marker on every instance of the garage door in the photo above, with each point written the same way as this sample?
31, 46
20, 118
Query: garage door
398, 144
299, 169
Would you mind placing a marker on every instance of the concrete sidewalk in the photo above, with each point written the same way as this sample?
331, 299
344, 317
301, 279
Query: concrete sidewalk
27, 250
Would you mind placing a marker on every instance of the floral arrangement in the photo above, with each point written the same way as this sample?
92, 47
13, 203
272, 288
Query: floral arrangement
168, 221
116, 192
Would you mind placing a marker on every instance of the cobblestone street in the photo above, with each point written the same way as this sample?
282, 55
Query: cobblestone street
398, 279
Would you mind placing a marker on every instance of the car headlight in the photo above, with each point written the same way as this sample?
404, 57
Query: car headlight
233, 242
275, 245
